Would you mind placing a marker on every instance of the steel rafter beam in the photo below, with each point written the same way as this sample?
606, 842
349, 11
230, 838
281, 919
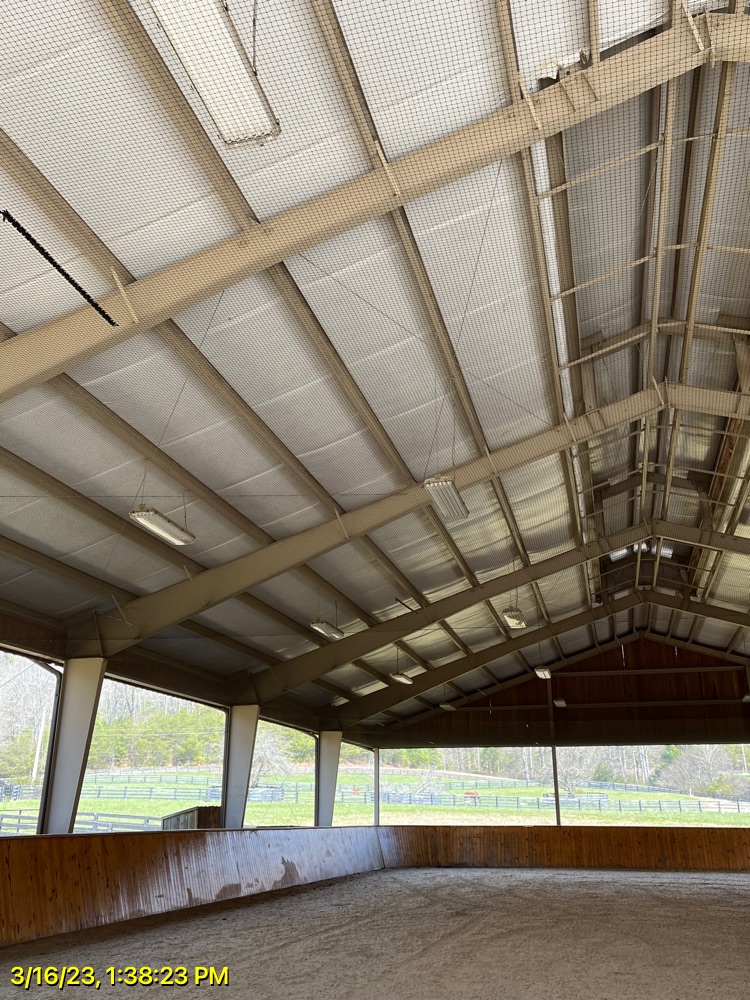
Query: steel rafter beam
386, 700
720, 654
511, 63
581, 383
605, 491
666, 440
600, 347
52, 348
380, 701
175, 603
652, 312
117, 633
727, 493
175, 104
701, 609
103, 589
294, 672
495, 688
726, 85
347, 76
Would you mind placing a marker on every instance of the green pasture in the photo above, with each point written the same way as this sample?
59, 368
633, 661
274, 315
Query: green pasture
481, 811
357, 814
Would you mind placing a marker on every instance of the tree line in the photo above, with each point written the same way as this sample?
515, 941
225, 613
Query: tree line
138, 728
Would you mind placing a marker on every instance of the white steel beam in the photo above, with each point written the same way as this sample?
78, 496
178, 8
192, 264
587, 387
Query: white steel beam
721, 120
510, 60
56, 346
291, 673
327, 770
71, 738
149, 614
383, 701
242, 726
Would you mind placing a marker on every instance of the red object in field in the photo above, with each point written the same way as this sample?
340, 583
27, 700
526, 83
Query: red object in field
474, 795
356, 789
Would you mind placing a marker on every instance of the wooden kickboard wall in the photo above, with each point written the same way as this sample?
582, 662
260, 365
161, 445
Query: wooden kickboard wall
51, 885
649, 848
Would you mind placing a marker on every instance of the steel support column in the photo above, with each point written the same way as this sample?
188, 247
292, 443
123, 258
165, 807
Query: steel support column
242, 726
376, 787
71, 739
326, 776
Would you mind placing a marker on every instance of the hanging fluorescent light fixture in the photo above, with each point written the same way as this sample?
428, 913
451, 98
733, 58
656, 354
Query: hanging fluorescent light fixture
560, 703
159, 524
445, 498
401, 678
339, 700
746, 699
543, 673
446, 706
514, 618
328, 630
207, 43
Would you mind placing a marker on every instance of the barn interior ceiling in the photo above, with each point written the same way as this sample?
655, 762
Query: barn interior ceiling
360, 358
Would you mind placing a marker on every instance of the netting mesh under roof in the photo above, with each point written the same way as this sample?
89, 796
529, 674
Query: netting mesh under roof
501, 243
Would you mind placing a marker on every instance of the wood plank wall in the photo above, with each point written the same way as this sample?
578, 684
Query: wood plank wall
196, 818
649, 848
696, 705
50, 885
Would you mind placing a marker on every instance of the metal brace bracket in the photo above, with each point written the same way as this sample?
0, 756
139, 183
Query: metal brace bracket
527, 97
388, 171
561, 81
589, 83
123, 293
341, 525
123, 617
693, 28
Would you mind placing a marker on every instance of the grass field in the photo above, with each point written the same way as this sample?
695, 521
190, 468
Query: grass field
355, 811
291, 814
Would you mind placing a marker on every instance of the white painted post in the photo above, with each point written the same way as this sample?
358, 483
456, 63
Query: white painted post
376, 787
71, 739
327, 759
242, 727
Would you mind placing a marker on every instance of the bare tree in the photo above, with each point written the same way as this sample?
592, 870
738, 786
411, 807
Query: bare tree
697, 768
576, 765
269, 755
